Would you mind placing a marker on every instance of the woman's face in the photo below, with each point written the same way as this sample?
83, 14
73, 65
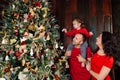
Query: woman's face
76, 24
99, 40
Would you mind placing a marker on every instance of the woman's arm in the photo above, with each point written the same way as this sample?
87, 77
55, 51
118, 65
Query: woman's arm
99, 76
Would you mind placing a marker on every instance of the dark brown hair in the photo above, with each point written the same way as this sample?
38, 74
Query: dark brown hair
79, 20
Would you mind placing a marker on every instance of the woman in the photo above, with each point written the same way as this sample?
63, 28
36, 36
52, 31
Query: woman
103, 59
77, 71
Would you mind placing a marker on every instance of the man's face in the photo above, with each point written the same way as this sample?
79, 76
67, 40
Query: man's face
78, 39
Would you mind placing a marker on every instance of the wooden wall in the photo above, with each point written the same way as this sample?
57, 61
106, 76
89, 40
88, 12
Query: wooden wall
97, 15
70, 11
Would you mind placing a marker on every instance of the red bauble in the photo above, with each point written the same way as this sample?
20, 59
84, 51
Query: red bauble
7, 69
37, 4
57, 77
30, 16
23, 43
50, 47
16, 33
17, 54
15, 14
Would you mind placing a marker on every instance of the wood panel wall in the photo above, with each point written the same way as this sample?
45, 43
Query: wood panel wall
70, 11
97, 15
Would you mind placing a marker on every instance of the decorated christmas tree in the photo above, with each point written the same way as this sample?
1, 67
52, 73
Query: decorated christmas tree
30, 47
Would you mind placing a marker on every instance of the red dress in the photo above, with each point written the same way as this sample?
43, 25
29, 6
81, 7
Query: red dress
98, 61
75, 31
76, 70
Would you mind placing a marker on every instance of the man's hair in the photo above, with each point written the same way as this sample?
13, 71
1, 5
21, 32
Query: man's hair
84, 37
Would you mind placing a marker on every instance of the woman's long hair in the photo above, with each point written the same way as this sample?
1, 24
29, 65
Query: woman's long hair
109, 43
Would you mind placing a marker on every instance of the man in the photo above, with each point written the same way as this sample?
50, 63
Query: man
77, 71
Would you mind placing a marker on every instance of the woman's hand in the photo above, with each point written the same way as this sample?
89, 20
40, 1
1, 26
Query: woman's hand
88, 66
81, 59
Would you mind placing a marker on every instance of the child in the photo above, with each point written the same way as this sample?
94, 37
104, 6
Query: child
78, 27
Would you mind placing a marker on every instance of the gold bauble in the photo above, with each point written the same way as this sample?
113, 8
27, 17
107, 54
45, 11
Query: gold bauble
42, 28
12, 41
33, 27
26, 1
3, 12
23, 62
17, 46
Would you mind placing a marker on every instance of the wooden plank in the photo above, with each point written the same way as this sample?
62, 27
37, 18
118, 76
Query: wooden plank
99, 5
92, 7
107, 10
70, 9
92, 40
107, 23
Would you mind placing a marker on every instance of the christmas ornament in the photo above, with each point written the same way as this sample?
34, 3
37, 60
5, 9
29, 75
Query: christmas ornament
41, 28
17, 54
31, 11
48, 36
45, 10
56, 45
33, 26
3, 12
22, 76
23, 62
38, 4
25, 17
44, 0
17, 46
25, 1
12, 41
51, 47
16, 28
13, 6
15, 14
57, 77
7, 58
66, 65
30, 16
61, 47
2, 79
7, 69
4, 40
31, 51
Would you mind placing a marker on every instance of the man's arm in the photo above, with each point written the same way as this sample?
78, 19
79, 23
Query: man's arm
68, 53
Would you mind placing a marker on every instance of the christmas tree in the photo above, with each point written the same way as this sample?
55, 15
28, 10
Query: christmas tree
30, 47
